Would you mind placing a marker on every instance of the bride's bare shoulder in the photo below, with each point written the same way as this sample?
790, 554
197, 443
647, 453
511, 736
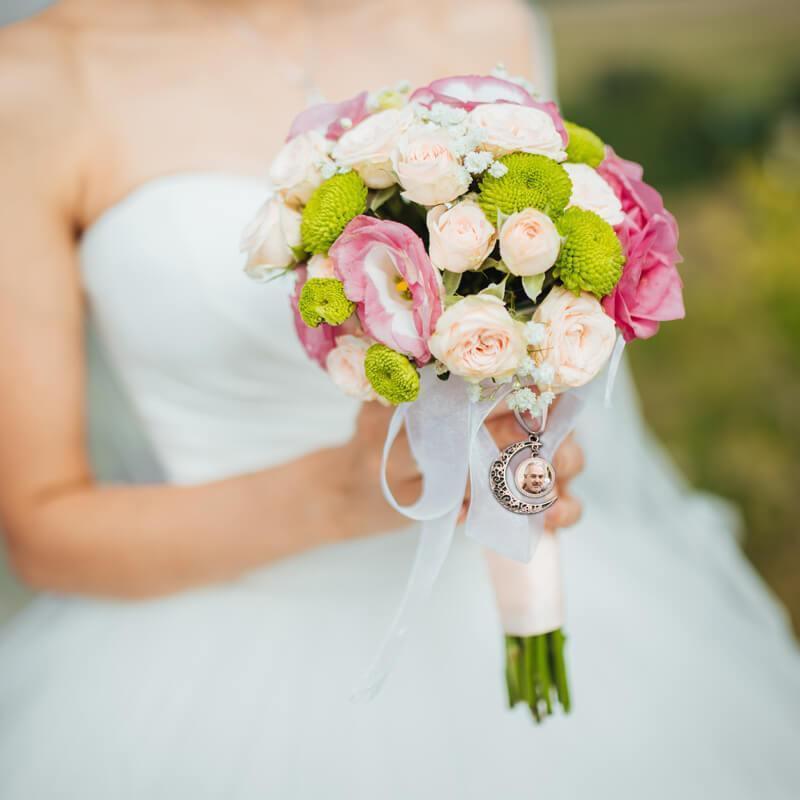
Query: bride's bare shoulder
40, 95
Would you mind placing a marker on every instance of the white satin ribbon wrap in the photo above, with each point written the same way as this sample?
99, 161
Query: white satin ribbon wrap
530, 597
447, 437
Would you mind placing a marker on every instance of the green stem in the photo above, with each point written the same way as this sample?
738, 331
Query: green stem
512, 670
529, 676
557, 640
543, 664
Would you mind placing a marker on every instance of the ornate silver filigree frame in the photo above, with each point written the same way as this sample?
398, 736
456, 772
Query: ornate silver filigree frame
499, 480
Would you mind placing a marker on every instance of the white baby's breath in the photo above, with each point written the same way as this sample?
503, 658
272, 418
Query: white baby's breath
473, 392
535, 332
544, 375
327, 170
477, 161
527, 368
443, 114
526, 400
523, 400
497, 170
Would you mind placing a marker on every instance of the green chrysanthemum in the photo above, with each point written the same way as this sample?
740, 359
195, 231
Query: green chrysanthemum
585, 146
330, 208
591, 256
391, 374
324, 300
531, 181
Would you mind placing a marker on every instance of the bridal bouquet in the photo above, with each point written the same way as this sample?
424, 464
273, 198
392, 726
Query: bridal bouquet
456, 246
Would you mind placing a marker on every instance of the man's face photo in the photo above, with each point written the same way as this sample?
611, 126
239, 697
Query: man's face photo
533, 476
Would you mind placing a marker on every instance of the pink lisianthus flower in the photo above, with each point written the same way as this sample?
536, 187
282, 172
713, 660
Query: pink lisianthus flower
470, 91
650, 289
327, 117
317, 342
388, 274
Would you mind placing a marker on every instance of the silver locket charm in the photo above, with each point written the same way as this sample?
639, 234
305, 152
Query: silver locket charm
520, 479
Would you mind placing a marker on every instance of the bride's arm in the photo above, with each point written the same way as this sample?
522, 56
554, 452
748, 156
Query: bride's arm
62, 531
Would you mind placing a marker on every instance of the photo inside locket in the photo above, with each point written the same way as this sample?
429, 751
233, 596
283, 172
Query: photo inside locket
529, 476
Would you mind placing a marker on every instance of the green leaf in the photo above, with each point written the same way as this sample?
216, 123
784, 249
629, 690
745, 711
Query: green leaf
451, 281
495, 263
300, 254
532, 284
452, 299
497, 290
381, 197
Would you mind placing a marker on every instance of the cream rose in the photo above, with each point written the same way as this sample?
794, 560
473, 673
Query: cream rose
269, 238
477, 338
591, 192
578, 340
529, 242
508, 128
427, 167
296, 171
460, 237
320, 266
345, 365
368, 147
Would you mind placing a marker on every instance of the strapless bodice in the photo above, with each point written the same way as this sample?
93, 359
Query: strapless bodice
207, 358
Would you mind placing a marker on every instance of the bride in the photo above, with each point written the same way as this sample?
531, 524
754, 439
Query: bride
210, 591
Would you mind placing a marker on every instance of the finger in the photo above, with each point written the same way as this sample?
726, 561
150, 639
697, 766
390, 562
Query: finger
373, 422
566, 512
505, 430
568, 460
462, 515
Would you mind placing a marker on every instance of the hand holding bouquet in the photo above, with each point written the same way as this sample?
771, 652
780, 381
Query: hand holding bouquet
454, 247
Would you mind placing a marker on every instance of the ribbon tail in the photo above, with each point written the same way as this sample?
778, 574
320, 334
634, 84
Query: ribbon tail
436, 537
512, 535
613, 368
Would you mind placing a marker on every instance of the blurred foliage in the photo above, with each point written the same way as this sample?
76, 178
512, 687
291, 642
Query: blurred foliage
682, 131
707, 97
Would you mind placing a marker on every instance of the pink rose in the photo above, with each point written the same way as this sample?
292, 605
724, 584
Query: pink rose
506, 128
592, 192
345, 365
368, 146
428, 168
650, 289
317, 342
461, 237
529, 242
470, 91
270, 239
296, 170
579, 337
387, 273
327, 117
477, 338
320, 266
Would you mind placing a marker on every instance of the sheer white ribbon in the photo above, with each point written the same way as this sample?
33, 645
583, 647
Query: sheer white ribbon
613, 368
448, 439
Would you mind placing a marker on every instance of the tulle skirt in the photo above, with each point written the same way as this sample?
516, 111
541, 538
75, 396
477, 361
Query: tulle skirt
686, 682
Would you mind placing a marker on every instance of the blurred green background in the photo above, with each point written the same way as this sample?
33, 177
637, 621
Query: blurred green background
707, 96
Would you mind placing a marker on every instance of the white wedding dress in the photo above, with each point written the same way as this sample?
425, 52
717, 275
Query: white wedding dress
686, 678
